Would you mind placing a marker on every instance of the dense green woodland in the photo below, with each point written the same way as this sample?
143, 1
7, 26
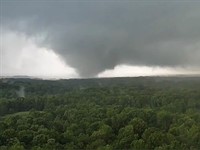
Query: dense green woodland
161, 113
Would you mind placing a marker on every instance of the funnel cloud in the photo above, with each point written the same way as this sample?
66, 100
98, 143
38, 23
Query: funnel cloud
93, 36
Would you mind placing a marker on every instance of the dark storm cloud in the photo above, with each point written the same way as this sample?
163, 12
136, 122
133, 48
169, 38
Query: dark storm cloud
98, 35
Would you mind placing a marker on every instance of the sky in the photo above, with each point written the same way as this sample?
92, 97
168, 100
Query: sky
81, 39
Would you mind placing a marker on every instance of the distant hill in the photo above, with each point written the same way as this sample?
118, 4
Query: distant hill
19, 77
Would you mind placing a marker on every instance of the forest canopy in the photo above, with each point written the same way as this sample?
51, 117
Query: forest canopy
160, 113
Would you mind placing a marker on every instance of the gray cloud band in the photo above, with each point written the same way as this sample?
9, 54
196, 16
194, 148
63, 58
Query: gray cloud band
95, 36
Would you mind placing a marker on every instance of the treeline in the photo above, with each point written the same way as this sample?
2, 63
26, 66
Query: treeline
144, 114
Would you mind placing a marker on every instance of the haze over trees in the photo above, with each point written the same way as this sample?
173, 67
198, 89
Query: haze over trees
159, 113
